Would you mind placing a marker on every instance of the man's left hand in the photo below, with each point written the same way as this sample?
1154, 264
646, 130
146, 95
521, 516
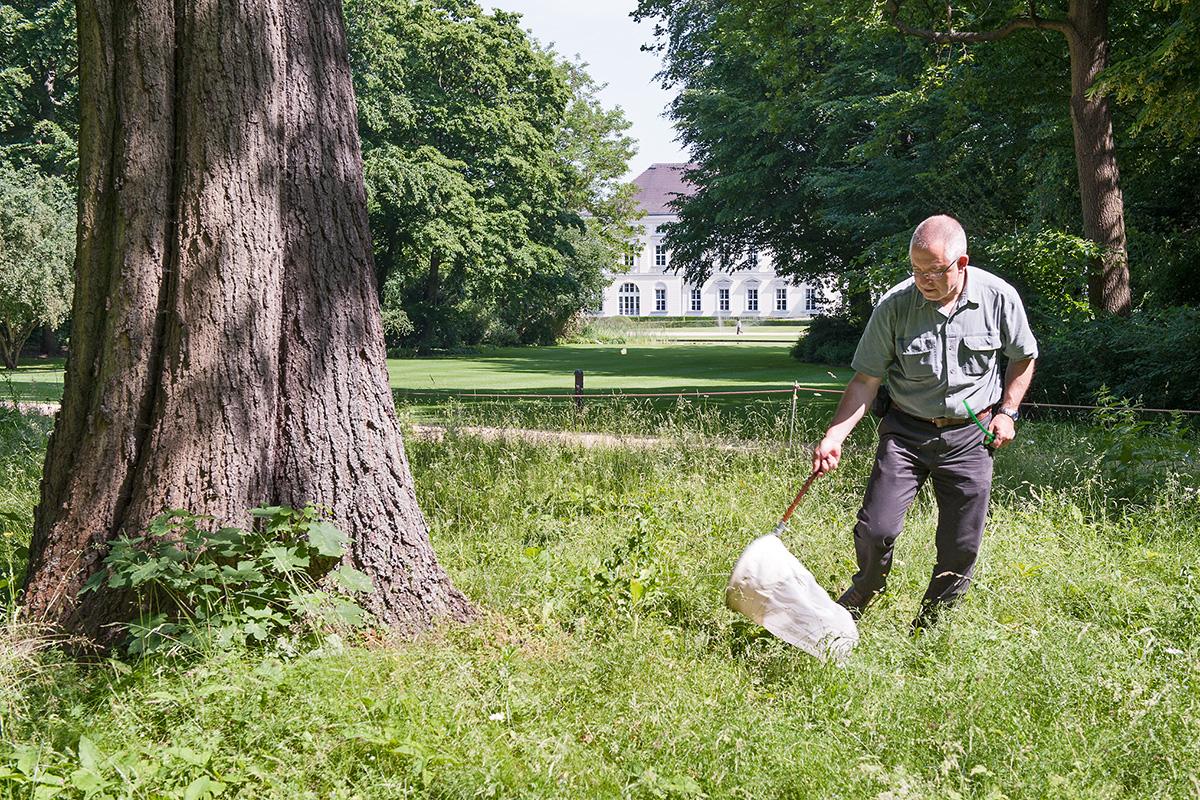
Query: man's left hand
1003, 428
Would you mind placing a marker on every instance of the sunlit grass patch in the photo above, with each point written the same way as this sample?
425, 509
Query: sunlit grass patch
1069, 671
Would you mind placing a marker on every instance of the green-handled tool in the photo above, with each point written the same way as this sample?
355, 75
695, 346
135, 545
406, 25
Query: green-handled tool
988, 436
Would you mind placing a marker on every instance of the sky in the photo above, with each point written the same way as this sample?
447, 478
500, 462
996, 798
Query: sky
602, 34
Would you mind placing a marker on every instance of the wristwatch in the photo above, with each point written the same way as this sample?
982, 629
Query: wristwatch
1010, 412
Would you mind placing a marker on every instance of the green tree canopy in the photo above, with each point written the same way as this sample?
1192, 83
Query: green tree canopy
492, 172
37, 248
39, 84
822, 134
1163, 78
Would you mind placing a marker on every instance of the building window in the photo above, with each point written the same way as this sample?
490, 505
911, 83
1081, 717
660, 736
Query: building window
752, 299
752, 259
810, 299
695, 299
660, 299
629, 301
629, 259
660, 255
723, 298
781, 299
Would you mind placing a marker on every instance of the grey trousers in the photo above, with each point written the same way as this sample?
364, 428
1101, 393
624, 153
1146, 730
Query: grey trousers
909, 452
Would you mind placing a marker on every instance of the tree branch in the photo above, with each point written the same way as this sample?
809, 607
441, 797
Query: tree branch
1031, 20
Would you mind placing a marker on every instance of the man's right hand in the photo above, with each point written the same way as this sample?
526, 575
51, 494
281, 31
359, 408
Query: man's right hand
860, 391
826, 456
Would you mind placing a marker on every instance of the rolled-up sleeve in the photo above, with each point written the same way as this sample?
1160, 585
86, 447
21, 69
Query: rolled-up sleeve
877, 348
1019, 342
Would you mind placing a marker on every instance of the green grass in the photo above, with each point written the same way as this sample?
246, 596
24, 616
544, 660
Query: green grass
440, 389
35, 379
1070, 671
661, 366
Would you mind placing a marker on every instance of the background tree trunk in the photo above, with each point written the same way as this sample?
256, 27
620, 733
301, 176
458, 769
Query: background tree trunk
1096, 160
227, 349
49, 341
1086, 32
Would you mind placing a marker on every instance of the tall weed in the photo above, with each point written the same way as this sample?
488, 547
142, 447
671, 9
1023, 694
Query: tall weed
193, 585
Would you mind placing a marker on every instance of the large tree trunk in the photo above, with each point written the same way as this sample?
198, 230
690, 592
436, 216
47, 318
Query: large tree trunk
1096, 160
227, 350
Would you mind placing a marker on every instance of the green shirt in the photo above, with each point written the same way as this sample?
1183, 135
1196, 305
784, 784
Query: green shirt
932, 361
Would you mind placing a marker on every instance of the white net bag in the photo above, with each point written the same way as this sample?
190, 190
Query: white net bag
771, 587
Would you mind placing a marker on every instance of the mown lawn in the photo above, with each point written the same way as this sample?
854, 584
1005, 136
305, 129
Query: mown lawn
630, 367
34, 379
444, 389
1071, 671
633, 367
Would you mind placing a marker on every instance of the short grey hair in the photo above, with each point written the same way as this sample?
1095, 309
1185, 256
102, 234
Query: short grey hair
940, 232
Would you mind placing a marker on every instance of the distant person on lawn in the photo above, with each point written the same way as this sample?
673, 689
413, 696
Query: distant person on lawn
935, 340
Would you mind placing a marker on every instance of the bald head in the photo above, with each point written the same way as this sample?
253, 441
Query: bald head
942, 236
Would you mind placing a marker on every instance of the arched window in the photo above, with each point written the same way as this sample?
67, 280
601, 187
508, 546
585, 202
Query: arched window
629, 301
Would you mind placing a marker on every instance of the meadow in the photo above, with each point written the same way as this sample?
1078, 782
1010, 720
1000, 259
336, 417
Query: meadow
603, 663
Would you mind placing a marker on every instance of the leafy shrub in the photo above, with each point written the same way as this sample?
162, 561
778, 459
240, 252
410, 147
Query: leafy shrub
629, 580
1163, 264
396, 323
598, 330
1138, 453
830, 339
249, 587
1150, 357
1047, 266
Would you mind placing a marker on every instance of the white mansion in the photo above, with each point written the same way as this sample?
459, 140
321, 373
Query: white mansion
647, 287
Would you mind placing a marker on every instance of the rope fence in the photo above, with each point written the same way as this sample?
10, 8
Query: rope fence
618, 394
601, 395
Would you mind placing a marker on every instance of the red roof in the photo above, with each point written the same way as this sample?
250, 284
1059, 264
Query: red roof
659, 185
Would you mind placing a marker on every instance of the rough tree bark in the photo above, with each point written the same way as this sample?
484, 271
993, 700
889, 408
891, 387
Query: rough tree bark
227, 349
1085, 28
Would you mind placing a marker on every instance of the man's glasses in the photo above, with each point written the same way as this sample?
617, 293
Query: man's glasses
934, 274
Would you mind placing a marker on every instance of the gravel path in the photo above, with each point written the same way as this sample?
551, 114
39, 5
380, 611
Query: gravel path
436, 433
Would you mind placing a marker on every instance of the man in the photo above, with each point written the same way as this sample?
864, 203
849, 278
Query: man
936, 340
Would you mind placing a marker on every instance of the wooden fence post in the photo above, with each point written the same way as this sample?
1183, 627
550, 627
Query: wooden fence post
792, 425
579, 390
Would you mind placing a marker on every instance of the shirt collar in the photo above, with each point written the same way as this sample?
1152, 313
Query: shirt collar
971, 290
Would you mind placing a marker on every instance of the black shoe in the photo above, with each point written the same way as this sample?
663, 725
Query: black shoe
855, 602
928, 616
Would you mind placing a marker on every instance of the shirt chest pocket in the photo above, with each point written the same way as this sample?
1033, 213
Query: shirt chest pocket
977, 353
919, 356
